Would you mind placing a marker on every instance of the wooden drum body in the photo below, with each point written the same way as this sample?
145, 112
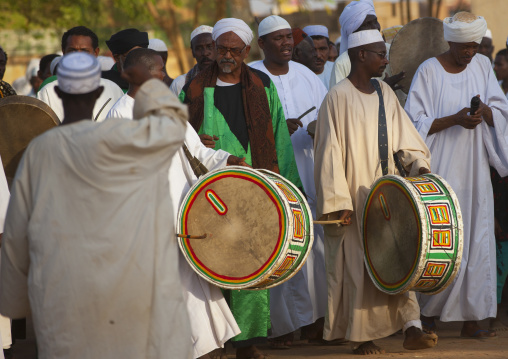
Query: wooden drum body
258, 225
412, 233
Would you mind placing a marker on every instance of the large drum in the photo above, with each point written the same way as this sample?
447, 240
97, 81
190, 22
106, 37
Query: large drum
258, 228
413, 234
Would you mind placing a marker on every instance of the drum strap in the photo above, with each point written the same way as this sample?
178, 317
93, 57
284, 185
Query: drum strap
382, 139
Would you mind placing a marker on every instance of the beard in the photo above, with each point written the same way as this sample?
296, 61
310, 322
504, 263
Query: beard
227, 65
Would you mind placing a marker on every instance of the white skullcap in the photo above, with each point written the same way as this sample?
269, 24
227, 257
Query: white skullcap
239, 27
351, 19
364, 37
32, 68
316, 30
464, 27
53, 64
203, 29
271, 24
78, 73
488, 34
157, 45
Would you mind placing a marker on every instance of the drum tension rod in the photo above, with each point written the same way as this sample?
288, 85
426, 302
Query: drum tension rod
188, 236
330, 222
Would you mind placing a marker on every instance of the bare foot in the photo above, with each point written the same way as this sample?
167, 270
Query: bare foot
497, 326
416, 339
250, 352
428, 324
368, 348
472, 330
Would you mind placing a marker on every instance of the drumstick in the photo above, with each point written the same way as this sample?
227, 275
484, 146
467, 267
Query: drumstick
335, 221
187, 236
306, 112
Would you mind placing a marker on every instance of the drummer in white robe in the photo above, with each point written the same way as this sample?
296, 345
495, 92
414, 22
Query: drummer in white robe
462, 147
211, 321
88, 247
347, 162
301, 300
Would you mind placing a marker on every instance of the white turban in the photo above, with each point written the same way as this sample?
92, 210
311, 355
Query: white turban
271, 24
157, 45
239, 27
55, 62
463, 27
364, 37
316, 30
352, 17
203, 29
78, 73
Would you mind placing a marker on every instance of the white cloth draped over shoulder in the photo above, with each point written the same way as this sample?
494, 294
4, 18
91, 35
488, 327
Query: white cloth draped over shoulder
211, 321
326, 74
122, 108
462, 156
87, 244
302, 299
107, 99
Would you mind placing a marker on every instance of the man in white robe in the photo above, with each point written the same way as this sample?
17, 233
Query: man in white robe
203, 50
301, 300
462, 147
211, 321
82, 39
347, 162
88, 247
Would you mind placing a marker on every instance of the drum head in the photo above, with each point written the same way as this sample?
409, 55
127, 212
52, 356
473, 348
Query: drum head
392, 233
244, 222
416, 42
21, 119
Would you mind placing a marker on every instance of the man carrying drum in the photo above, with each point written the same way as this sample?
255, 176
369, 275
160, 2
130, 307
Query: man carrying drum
349, 157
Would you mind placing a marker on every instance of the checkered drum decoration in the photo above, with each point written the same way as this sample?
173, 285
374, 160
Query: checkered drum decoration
412, 233
259, 228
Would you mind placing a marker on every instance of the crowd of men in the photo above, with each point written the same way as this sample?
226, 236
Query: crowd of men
87, 247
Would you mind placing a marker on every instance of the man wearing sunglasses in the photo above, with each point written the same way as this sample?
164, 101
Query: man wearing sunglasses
237, 109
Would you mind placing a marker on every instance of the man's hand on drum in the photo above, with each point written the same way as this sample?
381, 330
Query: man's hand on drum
208, 140
423, 170
393, 81
237, 161
293, 125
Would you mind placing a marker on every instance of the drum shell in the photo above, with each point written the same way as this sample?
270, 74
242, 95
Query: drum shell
293, 251
436, 259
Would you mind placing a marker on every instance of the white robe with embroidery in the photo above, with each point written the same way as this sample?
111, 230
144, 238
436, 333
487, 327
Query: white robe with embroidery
302, 299
88, 245
462, 157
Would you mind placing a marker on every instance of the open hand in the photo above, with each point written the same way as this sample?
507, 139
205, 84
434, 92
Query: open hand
237, 161
393, 81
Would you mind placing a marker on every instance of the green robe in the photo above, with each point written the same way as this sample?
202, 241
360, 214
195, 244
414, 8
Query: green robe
251, 309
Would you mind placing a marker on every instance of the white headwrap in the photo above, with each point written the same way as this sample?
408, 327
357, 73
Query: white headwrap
55, 62
461, 29
271, 24
78, 73
488, 34
364, 37
157, 45
352, 17
203, 29
316, 30
239, 27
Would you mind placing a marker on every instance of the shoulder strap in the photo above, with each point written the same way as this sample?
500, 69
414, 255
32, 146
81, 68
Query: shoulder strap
383, 135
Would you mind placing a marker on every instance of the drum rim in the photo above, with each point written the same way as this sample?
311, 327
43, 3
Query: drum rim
411, 278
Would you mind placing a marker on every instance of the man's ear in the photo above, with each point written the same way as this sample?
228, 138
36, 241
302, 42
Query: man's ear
261, 43
96, 52
247, 50
296, 53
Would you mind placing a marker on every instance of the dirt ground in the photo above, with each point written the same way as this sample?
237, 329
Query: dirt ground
450, 346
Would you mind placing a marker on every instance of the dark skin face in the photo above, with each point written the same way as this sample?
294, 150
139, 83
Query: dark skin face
333, 54
3, 63
322, 51
45, 73
501, 68
370, 23
366, 62
305, 53
230, 63
459, 55
203, 50
78, 43
277, 46
486, 48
